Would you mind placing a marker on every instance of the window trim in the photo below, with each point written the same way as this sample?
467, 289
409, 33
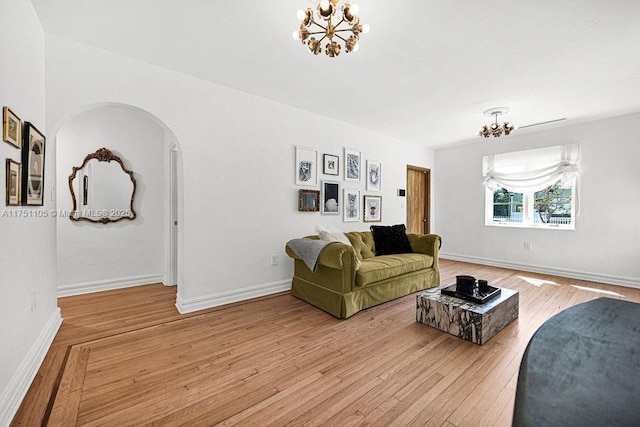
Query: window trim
528, 212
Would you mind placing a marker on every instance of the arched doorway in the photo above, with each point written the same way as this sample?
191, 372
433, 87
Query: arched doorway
94, 257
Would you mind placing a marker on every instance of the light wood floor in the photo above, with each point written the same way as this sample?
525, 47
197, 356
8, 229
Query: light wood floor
127, 357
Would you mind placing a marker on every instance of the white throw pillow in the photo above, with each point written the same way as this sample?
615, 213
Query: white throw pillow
334, 235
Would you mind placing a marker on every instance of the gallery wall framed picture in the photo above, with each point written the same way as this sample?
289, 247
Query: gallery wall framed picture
374, 171
33, 158
11, 128
330, 198
306, 166
352, 165
13, 183
308, 200
372, 208
351, 205
331, 164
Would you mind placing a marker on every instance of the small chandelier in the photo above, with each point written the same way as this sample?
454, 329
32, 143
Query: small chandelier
495, 129
345, 33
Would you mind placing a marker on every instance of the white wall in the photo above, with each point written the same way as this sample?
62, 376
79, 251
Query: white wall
97, 256
238, 152
27, 253
604, 246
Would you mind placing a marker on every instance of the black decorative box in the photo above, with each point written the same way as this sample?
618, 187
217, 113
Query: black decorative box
479, 297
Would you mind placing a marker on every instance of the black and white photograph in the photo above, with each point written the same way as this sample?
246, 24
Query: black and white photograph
330, 198
351, 165
351, 202
374, 169
33, 157
331, 164
306, 166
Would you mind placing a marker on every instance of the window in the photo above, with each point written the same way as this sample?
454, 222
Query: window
551, 207
534, 188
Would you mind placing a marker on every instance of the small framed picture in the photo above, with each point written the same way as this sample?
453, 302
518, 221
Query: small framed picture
306, 166
11, 128
33, 150
14, 188
309, 200
351, 165
351, 203
331, 164
373, 175
372, 208
330, 198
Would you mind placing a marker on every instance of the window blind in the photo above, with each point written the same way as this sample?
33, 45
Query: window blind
531, 170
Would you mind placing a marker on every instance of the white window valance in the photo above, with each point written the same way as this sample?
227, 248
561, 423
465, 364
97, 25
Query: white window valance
531, 170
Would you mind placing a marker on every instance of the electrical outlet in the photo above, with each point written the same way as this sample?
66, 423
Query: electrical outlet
528, 246
274, 259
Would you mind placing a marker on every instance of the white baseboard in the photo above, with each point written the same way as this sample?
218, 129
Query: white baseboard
107, 285
21, 381
188, 305
553, 271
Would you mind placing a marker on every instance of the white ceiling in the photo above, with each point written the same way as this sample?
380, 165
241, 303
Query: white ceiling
424, 74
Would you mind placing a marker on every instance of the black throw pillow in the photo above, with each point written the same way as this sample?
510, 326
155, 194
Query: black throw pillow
391, 239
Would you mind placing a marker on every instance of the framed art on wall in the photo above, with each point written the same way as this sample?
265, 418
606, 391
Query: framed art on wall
306, 166
351, 203
13, 183
33, 157
330, 198
373, 175
372, 208
11, 128
351, 165
331, 164
308, 200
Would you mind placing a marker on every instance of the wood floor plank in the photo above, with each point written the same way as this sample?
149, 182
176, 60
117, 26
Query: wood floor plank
127, 357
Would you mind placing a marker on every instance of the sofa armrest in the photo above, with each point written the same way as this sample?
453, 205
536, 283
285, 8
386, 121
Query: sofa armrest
336, 255
428, 244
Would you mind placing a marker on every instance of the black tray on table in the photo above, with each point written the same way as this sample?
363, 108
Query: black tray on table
479, 297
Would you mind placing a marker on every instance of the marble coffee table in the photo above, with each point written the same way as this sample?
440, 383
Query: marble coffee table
470, 321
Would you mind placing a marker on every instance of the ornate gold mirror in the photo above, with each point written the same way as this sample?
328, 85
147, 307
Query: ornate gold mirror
102, 189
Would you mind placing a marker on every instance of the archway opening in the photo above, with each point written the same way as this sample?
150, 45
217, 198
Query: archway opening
94, 256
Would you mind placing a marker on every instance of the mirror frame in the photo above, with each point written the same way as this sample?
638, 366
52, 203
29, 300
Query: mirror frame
102, 155
302, 206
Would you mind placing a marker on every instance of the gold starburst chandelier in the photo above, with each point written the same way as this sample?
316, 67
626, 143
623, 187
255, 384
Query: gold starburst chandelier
340, 31
494, 129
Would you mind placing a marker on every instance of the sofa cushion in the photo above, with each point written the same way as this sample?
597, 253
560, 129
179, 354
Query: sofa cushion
383, 267
332, 235
391, 239
362, 242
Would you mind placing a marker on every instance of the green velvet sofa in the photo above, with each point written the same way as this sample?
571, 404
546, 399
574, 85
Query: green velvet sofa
350, 278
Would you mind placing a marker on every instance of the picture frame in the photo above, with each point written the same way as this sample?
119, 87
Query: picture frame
372, 208
11, 128
308, 200
306, 166
374, 172
352, 165
330, 198
331, 164
33, 161
13, 183
351, 205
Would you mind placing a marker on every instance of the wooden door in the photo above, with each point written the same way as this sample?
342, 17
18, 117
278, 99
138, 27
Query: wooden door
418, 200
